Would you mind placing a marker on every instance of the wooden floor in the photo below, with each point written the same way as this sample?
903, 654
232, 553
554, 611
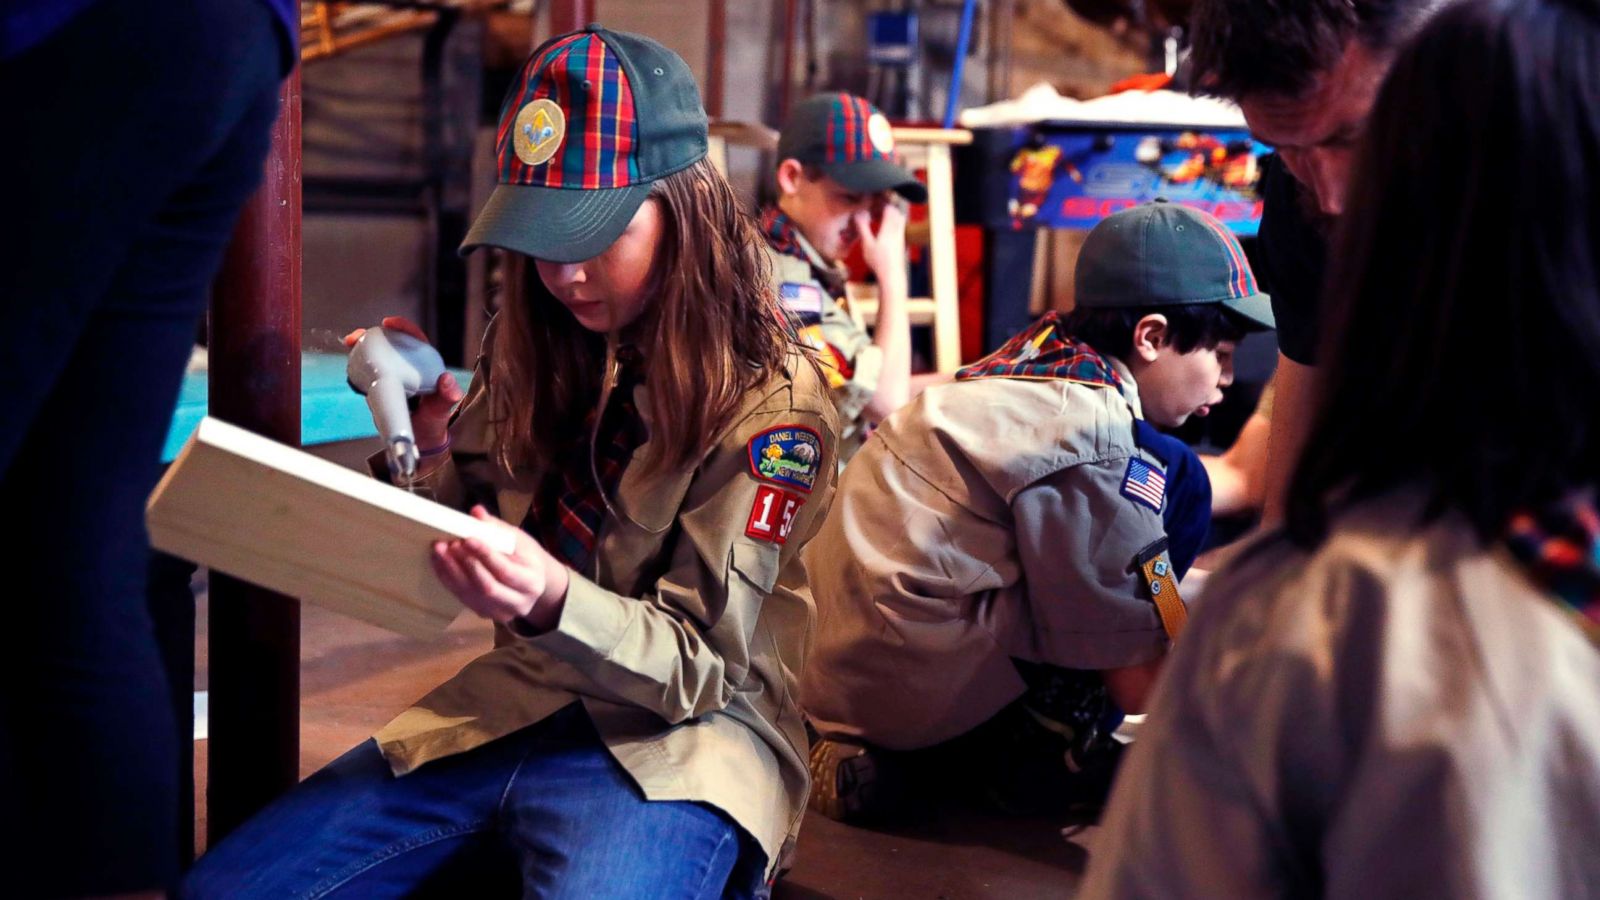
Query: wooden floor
355, 677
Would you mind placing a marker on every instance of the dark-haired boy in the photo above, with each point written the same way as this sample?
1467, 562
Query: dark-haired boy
998, 575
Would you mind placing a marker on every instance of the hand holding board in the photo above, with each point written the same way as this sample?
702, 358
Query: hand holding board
308, 528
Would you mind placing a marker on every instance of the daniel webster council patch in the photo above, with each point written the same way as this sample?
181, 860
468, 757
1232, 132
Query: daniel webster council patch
787, 454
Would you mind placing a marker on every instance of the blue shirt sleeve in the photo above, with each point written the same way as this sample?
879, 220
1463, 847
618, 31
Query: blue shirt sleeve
1187, 512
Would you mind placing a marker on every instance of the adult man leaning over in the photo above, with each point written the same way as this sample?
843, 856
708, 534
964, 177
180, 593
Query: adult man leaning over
1305, 74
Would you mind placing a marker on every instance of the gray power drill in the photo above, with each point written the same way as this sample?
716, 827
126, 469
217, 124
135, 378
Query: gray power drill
391, 367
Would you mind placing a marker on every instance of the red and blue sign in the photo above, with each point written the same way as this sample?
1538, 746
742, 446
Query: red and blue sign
1072, 176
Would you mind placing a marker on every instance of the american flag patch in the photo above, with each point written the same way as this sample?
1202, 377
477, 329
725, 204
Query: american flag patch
801, 299
1145, 484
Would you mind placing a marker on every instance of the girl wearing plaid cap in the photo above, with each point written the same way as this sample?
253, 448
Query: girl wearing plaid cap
640, 412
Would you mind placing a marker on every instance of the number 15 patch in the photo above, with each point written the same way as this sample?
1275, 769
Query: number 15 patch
772, 515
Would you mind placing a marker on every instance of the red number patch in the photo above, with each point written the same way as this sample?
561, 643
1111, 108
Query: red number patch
772, 515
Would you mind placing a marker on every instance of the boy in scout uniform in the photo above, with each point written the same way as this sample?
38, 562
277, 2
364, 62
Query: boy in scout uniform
998, 578
837, 168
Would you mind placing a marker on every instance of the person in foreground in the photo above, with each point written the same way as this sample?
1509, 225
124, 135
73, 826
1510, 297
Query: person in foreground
1396, 695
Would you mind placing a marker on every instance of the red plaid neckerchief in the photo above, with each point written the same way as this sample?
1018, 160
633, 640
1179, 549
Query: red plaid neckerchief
1559, 547
781, 234
569, 507
1044, 350
783, 237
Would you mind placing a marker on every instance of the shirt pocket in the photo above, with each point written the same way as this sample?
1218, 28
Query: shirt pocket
754, 576
757, 565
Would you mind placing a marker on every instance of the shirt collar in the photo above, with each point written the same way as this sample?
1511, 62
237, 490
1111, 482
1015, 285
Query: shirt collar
785, 237
1129, 386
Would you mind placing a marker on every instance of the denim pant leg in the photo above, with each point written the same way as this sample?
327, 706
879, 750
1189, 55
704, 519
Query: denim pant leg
549, 798
136, 132
355, 830
583, 830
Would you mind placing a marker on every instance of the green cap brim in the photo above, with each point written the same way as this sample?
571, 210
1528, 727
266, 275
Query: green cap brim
1256, 307
564, 225
869, 176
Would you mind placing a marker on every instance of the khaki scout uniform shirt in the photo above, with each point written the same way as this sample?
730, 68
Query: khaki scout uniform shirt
837, 330
684, 641
984, 521
1398, 713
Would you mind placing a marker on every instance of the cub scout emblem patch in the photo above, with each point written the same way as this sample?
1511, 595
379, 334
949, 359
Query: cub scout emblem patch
772, 515
1155, 567
788, 454
539, 129
1144, 484
880, 134
804, 300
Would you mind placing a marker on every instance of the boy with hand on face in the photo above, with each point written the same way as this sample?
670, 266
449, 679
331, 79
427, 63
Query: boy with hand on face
837, 171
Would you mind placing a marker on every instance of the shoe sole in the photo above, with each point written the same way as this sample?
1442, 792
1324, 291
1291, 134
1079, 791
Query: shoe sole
843, 780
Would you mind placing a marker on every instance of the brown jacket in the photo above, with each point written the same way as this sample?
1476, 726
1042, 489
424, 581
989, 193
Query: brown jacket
985, 521
1400, 712
684, 642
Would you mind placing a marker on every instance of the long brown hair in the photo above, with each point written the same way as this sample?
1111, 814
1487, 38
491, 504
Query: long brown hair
711, 335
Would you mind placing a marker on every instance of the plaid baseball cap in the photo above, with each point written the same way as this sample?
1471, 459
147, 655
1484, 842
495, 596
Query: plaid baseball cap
1163, 254
852, 142
593, 118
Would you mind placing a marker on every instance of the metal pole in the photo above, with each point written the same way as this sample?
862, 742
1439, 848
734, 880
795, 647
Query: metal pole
953, 102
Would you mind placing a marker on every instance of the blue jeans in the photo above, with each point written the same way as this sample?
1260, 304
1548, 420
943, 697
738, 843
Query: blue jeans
133, 135
548, 803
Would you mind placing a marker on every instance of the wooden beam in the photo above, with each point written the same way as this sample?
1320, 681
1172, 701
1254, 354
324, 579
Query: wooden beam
570, 15
746, 134
786, 77
255, 383
716, 55
947, 136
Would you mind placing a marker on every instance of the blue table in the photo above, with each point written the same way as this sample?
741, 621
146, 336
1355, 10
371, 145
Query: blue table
329, 410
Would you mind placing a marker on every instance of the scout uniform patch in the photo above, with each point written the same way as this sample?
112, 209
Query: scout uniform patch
880, 134
772, 515
788, 454
1144, 483
803, 300
1155, 565
540, 126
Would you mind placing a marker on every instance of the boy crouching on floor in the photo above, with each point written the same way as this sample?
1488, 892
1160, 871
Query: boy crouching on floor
997, 582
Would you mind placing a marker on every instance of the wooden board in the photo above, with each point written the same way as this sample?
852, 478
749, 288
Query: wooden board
931, 135
308, 528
